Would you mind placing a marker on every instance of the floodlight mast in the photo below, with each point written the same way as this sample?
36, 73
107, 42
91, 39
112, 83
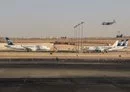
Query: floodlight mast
76, 36
79, 36
82, 35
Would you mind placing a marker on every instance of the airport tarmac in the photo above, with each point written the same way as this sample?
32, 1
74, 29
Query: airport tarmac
66, 72
65, 78
65, 55
39, 68
88, 84
60, 73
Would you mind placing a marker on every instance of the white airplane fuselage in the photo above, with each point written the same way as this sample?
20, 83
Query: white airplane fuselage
106, 48
117, 48
15, 47
27, 47
99, 48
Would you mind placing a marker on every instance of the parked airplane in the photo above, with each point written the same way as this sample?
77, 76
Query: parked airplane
11, 45
115, 47
109, 23
121, 45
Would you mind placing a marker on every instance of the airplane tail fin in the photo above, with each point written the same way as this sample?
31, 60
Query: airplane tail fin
120, 43
115, 44
125, 44
9, 42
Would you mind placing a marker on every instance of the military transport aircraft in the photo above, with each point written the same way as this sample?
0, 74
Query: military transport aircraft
109, 23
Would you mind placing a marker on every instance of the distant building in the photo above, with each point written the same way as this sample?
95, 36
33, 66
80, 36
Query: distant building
64, 37
119, 36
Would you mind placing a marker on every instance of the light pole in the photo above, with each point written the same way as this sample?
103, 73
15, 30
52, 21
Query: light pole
82, 36
75, 35
78, 34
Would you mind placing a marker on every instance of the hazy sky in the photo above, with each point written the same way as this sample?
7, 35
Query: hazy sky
37, 18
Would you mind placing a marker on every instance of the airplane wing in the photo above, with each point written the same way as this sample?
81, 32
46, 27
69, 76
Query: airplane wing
30, 48
102, 49
27, 49
36, 48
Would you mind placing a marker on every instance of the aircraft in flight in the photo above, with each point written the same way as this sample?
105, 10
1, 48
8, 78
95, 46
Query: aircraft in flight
109, 23
115, 47
27, 48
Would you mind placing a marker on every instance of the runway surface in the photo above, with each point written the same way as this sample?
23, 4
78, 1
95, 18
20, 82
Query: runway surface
58, 73
84, 84
57, 77
64, 74
67, 55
